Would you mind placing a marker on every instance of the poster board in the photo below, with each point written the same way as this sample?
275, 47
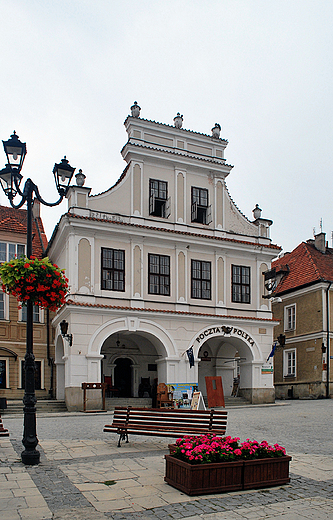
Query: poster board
198, 402
182, 393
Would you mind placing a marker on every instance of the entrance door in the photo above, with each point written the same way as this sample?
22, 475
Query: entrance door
123, 377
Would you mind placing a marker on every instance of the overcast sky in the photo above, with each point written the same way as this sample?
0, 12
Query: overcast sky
71, 69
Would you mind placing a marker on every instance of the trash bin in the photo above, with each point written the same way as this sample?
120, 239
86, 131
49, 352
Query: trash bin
3, 403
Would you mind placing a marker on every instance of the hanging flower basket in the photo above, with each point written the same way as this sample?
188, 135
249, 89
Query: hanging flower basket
37, 280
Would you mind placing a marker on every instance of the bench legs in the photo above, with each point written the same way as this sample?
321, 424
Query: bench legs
122, 437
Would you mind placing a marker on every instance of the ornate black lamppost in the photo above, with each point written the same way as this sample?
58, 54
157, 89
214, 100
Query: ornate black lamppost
10, 178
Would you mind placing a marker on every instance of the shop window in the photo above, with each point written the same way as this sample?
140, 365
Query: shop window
200, 211
159, 274
201, 280
38, 375
159, 203
241, 284
113, 269
3, 373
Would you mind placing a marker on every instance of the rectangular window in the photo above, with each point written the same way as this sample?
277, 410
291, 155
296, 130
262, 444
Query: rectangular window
200, 211
38, 375
200, 280
35, 313
3, 373
289, 363
290, 317
113, 269
9, 251
241, 284
159, 274
159, 204
2, 306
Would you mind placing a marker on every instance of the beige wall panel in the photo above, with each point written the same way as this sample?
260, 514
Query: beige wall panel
137, 271
181, 275
137, 188
81, 200
220, 279
84, 263
180, 196
219, 204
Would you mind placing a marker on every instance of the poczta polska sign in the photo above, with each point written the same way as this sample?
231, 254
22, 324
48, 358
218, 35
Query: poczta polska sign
224, 331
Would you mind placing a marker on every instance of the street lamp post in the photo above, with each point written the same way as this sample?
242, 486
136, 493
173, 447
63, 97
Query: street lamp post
10, 178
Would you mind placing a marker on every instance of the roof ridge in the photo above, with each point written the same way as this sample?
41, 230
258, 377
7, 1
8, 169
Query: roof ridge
161, 149
171, 126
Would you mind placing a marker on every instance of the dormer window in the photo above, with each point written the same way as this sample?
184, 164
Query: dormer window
159, 203
200, 211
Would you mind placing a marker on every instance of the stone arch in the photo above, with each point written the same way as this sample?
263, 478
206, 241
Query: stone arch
228, 354
158, 336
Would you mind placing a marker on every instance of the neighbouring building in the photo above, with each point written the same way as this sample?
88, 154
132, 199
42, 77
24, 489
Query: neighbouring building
301, 283
13, 233
161, 262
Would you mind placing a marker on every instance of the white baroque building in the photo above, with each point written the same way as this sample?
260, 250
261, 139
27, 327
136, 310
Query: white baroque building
160, 262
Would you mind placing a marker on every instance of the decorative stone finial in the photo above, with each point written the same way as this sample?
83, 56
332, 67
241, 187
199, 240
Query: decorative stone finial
216, 130
135, 109
257, 212
178, 120
80, 178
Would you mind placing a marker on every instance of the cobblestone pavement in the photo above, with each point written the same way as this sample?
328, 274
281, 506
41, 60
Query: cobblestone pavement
78, 459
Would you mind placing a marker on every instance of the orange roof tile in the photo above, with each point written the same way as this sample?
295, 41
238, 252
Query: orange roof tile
14, 221
307, 265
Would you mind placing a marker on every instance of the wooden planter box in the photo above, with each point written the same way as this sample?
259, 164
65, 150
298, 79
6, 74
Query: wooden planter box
202, 479
266, 472
221, 477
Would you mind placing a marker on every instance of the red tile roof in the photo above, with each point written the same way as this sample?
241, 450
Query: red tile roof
14, 221
307, 265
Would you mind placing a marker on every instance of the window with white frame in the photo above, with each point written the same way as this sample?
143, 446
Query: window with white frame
159, 203
289, 363
200, 210
2, 306
36, 314
9, 251
290, 317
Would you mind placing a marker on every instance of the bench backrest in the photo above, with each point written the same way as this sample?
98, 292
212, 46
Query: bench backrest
181, 420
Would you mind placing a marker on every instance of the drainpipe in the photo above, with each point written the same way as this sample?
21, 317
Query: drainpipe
328, 341
50, 360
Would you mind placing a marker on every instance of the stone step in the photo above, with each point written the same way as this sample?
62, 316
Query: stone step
136, 402
42, 406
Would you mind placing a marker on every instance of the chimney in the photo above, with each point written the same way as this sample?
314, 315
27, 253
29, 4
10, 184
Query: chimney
320, 242
36, 208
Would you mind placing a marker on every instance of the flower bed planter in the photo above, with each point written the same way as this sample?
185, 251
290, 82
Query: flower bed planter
221, 477
202, 479
205, 464
266, 472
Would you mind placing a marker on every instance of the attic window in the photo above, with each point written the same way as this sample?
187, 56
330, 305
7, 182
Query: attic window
159, 204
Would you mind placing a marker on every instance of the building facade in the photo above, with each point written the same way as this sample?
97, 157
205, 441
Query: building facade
161, 262
302, 285
13, 233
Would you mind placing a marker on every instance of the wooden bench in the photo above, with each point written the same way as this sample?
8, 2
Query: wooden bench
166, 422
